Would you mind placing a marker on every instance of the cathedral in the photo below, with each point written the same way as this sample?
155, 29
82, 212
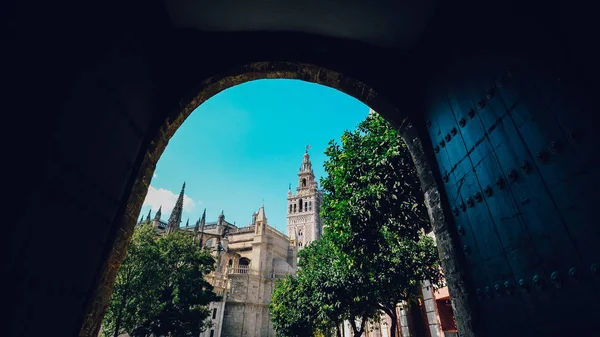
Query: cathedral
249, 259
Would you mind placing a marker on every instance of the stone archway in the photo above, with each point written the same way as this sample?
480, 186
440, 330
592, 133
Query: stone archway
438, 208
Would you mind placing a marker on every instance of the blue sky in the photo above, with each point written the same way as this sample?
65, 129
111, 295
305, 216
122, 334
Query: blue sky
245, 145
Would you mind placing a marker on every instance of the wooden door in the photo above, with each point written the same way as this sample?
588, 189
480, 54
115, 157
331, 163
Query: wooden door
520, 171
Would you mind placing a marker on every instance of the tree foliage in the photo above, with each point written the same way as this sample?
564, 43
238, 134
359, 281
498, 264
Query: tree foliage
325, 292
373, 211
160, 289
338, 290
291, 310
371, 187
373, 253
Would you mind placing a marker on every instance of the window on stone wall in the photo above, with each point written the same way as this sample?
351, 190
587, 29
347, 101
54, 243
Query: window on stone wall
294, 208
243, 266
300, 205
290, 208
212, 333
304, 182
310, 205
300, 244
214, 313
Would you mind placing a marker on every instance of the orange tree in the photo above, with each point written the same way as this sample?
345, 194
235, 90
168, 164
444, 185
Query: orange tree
373, 211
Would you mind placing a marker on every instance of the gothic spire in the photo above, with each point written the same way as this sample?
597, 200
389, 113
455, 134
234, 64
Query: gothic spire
220, 219
197, 229
148, 217
158, 214
306, 176
306, 163
202, 222
261, 214
175, 218
187, 224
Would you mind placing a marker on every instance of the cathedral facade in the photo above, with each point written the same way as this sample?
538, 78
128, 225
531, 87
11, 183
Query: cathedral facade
250, 259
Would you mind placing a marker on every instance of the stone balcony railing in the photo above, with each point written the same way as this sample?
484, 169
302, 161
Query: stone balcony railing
242, 270
239, 230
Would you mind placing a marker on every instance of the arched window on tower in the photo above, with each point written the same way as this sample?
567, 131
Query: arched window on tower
294, 208
290, 208
300, 205
310, 205
243, 266
306, 205
303, 182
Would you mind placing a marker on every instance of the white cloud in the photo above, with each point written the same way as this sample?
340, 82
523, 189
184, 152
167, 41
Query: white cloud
154, 176
165, 198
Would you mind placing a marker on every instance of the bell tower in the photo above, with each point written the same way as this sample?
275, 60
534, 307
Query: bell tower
303, 219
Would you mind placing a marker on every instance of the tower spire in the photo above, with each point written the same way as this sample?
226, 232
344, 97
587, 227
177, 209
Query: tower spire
187, 224
175, 218
303, 219
260, 226
158, 213
148, 217
202, 222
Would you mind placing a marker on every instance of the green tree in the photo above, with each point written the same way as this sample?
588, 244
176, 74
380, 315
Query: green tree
160, 288
326, 291
136, 288
338, 291
184, 292
291, 310
374, 212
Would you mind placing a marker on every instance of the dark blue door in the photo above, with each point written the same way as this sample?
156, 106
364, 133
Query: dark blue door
517, 157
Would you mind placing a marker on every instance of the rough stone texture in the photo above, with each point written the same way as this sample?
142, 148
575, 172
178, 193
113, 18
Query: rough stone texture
452, 261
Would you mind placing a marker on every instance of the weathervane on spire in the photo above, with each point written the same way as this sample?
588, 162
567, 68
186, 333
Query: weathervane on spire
307, 147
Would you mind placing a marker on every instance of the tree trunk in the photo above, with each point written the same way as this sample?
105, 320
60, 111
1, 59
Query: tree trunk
355, 331
391, 312
394, 328
363, 322
120, 315
358, 331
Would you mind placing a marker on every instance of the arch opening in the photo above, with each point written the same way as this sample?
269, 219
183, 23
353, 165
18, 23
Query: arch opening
243, 266
437, 209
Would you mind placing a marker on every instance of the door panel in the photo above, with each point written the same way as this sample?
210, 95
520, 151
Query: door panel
522, 181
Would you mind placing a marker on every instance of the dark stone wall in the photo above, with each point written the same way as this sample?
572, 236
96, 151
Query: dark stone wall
94, 90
